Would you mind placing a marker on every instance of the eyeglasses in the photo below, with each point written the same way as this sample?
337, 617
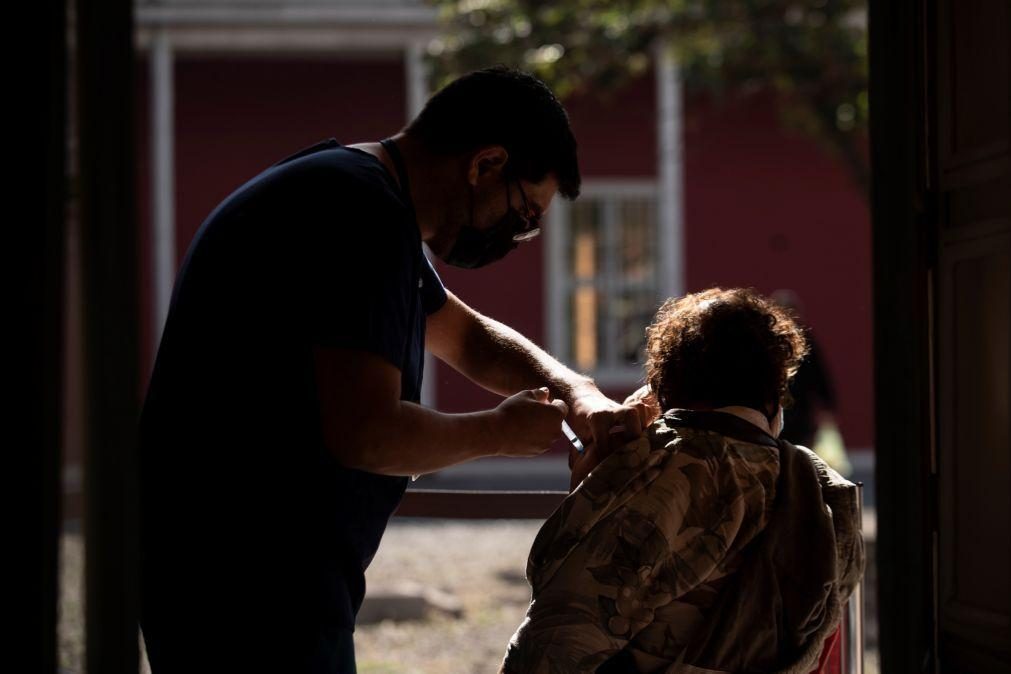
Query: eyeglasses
533, 228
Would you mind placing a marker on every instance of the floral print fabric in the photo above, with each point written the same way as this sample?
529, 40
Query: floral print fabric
631, 566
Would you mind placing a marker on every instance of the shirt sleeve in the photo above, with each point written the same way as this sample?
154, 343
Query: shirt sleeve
433, 293
363, 286
645, 528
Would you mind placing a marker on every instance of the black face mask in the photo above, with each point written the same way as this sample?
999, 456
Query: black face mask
478, 247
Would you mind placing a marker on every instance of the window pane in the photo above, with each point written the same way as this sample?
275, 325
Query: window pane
632, 312
587, 327
637, 226
586, 249
611, 260
585, 267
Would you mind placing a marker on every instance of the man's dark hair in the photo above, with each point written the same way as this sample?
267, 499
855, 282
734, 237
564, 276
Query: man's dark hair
511, 108
723, 347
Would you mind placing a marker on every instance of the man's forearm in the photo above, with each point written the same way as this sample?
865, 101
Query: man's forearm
503, 361
413, 440
367, 426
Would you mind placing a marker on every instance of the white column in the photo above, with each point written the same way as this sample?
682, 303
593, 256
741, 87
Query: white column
415, 78
670, 172
557, 278
416, 83
163, 239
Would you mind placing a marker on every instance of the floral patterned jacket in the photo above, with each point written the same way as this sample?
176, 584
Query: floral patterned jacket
704, 546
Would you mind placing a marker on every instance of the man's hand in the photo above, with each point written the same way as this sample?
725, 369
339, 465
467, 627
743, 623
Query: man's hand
644, 400
528, 422
601, 423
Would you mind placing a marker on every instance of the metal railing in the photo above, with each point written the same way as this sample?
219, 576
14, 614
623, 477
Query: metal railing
479, 505
852, 647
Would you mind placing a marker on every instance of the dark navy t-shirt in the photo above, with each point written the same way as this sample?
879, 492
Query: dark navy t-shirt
246, 516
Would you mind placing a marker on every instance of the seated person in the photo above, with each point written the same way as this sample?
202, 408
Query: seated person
708, 544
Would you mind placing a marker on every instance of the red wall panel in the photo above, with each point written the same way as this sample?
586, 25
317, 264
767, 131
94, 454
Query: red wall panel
768, 208
616, 132
764, 207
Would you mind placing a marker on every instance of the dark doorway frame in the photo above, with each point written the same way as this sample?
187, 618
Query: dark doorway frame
107, 220
904, 234
904, 231
39, 104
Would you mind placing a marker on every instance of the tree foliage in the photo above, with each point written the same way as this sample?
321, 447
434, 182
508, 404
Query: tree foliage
811, 53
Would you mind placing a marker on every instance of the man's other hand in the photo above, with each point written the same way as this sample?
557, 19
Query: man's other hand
644, 400
602, 424
528, 422
597, 419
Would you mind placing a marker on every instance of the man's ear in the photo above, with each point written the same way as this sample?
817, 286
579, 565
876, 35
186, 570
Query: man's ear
487, 162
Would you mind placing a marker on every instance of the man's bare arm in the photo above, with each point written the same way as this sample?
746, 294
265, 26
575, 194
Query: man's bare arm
367, 426
502, 360
495, 356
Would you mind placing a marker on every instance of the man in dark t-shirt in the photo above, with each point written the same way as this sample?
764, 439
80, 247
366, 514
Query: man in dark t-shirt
282, 419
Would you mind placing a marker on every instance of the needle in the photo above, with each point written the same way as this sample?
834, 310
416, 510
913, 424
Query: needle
573, 438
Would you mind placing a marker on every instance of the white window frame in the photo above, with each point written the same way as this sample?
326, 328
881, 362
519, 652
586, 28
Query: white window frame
559, 286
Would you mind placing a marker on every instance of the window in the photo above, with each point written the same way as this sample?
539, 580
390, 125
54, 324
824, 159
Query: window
605, 279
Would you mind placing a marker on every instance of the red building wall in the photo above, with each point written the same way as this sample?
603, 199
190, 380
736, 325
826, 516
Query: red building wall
763, 207
770, 209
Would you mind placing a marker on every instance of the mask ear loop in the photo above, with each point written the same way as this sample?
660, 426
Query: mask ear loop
470, 198
509, 197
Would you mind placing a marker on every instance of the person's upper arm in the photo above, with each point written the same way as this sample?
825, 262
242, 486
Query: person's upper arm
358, 299
641, 531
433, 293
447, 329
576, 573
357, 390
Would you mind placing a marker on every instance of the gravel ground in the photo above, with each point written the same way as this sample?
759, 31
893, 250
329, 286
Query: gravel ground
481, 563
